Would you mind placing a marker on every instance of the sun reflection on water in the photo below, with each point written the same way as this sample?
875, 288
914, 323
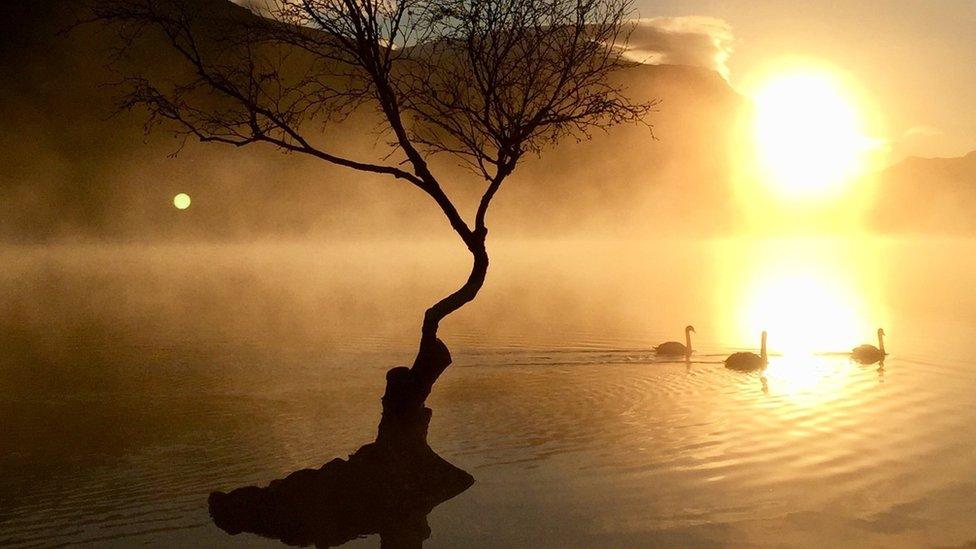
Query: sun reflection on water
806, 308
808, 380
813, 296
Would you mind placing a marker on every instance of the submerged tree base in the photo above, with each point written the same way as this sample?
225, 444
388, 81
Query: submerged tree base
387, 487
375, 491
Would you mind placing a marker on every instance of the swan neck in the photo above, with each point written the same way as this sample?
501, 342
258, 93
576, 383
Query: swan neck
688, 341
881, 342
762, 349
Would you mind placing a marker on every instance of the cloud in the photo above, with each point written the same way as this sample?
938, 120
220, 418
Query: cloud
691, 40
695, 40
922, 131
258, 6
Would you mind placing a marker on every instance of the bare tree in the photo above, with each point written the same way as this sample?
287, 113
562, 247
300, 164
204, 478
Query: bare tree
484, 81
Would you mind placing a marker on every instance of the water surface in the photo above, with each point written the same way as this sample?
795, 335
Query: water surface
135, 379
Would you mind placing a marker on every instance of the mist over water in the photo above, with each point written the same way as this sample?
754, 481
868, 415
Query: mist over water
135, 379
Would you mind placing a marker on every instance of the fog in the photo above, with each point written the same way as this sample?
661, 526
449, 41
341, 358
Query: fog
73, 315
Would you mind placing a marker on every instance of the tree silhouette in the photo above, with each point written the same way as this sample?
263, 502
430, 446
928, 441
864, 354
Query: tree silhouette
485, 82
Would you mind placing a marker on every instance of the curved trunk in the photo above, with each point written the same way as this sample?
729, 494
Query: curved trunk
388, 486
405, 418
433, 357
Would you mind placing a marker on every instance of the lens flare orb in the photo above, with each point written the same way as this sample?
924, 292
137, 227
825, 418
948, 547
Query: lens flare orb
181, 201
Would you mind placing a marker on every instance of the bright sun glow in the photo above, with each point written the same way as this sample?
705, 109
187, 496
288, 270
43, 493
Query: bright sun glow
808, 133
811, 295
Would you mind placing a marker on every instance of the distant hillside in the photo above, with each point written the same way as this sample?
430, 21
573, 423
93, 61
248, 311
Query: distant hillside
73, 169
933, 195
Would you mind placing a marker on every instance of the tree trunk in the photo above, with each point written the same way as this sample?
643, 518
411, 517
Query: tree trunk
405, 418
388, 486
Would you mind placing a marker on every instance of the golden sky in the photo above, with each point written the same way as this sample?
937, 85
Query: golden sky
913, 60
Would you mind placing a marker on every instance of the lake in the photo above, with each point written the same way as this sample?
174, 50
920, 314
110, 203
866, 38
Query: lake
135, 379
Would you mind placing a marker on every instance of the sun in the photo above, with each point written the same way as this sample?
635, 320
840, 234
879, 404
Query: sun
809, 133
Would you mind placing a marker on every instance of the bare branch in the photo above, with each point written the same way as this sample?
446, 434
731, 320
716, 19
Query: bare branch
484, 81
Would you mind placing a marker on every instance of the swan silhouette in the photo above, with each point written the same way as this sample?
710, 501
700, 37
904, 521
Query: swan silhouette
673, 348
747, 362
869, 354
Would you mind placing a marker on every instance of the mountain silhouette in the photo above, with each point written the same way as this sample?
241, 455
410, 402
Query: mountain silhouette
928, 195
75, 167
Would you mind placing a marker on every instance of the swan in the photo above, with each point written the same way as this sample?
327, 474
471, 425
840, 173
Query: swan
869, 354
747, 362
673, 348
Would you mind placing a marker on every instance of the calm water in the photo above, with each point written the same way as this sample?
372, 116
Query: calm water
135, 380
